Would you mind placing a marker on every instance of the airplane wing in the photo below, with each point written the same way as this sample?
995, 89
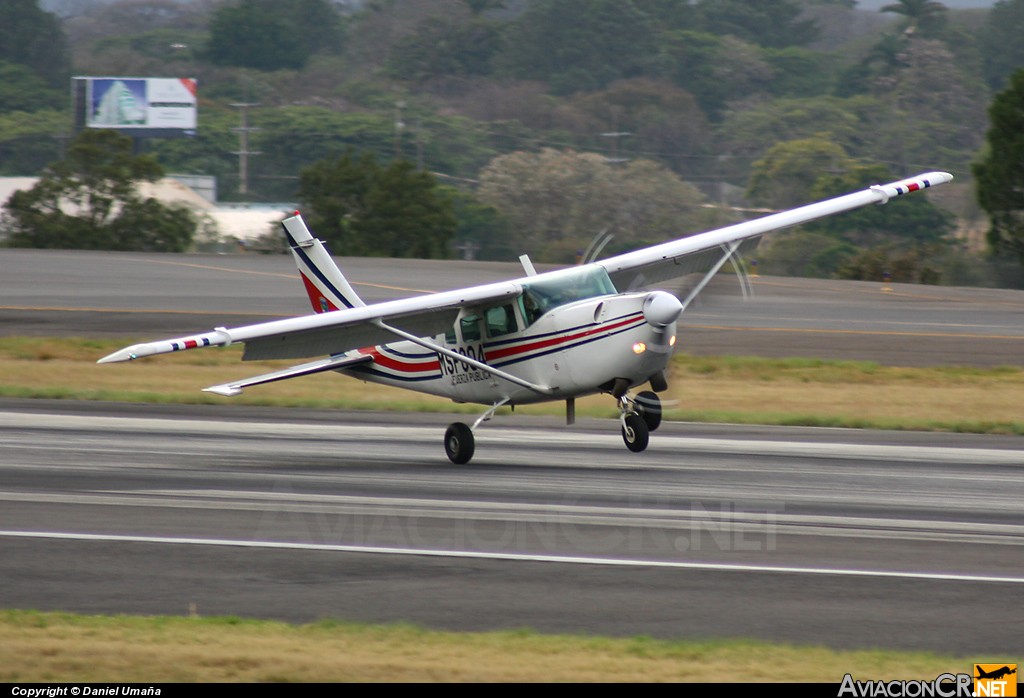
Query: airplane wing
334, 332
701, 252
340, 332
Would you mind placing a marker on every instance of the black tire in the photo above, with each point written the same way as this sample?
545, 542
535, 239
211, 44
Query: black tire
649, 406
459, 443
635, 433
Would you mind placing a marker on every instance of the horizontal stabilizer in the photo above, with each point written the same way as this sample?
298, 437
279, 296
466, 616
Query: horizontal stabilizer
308, 369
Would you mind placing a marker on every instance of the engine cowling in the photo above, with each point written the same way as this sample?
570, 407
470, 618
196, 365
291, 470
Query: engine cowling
661, 309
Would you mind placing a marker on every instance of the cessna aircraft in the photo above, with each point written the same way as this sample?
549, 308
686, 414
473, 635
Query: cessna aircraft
559, 335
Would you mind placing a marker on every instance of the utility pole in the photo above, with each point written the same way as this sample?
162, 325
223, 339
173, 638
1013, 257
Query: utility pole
615, 136
399, 126
243, 151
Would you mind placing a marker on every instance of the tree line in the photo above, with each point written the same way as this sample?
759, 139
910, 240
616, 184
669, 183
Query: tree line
654, 106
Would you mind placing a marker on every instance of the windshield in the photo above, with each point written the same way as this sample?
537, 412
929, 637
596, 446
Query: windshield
566, 287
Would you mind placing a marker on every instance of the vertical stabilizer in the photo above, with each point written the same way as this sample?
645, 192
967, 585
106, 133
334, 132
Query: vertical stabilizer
326, 286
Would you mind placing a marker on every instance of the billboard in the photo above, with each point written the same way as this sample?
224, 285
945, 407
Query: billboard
140, 107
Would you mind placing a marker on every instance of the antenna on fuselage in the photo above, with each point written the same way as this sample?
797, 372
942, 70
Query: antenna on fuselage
524, 259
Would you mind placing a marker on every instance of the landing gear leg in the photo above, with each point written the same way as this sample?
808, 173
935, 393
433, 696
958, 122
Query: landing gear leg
459, 443
635, 432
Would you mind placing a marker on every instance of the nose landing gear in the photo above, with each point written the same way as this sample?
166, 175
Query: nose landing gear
639, 417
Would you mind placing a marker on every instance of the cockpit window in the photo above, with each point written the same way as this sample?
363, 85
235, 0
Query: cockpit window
572, 285
500, 320
470, 328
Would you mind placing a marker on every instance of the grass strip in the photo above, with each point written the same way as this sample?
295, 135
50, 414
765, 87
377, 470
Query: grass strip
50, 647
743, 390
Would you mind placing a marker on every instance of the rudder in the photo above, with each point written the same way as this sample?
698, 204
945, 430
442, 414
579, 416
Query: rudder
326, 286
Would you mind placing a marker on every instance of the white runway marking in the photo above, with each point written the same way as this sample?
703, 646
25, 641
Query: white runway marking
563, 559
515, 437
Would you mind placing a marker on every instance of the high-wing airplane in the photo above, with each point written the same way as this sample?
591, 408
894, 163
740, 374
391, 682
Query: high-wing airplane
588, 329
995, 674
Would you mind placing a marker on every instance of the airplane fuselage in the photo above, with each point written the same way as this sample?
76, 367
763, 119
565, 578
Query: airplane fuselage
574, 349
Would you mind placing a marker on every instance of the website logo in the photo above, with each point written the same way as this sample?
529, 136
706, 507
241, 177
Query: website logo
997, 680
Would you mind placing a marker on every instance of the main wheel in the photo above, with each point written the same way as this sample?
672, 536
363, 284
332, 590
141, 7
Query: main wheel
635, 433
459, 443
650, 409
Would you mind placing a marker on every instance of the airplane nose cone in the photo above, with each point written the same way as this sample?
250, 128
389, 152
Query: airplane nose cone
661, 309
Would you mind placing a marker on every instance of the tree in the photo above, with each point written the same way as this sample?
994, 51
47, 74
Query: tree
908, 238
925, 16
90, 201
1000, 172
34, 38
657, 116
999, 41
270, 35
557, 201
904, 223
580, 45
25, 91
783, 177
768, 23
362, 208
443, 47
716, 70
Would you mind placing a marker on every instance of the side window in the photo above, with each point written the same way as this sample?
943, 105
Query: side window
501, 320
449, 336
470, 327
530, 307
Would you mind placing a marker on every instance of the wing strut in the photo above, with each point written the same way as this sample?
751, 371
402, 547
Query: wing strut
730, 250
433, 346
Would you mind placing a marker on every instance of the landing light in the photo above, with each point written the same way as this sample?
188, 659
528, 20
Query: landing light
672, 341
639, 348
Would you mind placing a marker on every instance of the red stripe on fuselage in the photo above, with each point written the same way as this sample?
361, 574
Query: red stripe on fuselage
394, 364
403, 366
543, 344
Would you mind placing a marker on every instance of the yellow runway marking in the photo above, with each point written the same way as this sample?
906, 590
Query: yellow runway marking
892, 333
136, 311
278, 274
846, 290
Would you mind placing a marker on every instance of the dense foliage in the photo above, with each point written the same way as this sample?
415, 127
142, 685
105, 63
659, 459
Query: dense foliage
360, 207
1000, 173
731, 96
90, 200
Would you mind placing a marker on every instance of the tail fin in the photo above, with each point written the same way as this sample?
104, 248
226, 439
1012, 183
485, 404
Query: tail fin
327, 287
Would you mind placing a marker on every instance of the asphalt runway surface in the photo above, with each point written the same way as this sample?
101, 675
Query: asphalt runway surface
840, 538
848, 539
152, 296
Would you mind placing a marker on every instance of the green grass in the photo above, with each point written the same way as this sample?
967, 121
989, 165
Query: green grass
46, 647
60, 647
743, 390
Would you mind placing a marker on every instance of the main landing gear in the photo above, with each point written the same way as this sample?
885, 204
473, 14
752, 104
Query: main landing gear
639, 417
459, 443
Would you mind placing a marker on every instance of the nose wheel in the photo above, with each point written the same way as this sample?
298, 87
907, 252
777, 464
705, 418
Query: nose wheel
635, 433
640, 416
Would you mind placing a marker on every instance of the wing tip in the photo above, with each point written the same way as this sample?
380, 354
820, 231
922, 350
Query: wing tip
127, 354
226, 390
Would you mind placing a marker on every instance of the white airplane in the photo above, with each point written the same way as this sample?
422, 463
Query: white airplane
553, 336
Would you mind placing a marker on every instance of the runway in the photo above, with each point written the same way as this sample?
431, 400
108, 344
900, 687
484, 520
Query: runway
848, 539
842, 538
150, 296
